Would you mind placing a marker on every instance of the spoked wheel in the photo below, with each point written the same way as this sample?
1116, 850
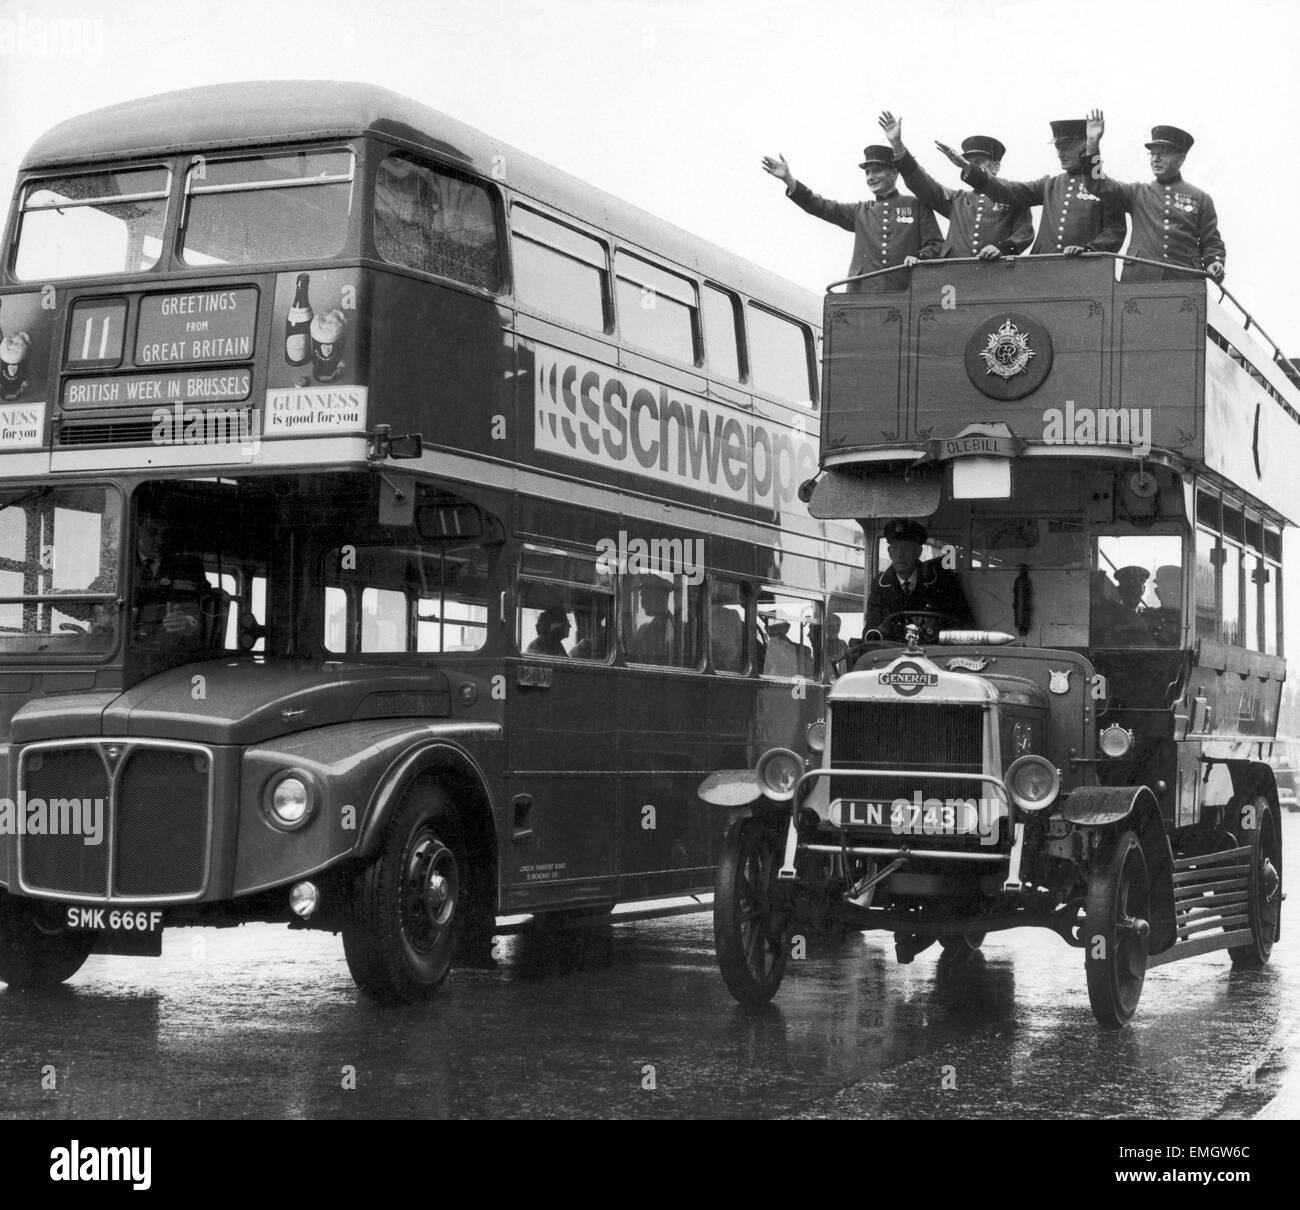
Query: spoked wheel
1264, 885
407, 906
1117, 930
750, 929
35, 949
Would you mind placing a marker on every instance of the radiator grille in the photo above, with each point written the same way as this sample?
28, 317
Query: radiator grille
156, 822
65, 862
162, 814
937, 738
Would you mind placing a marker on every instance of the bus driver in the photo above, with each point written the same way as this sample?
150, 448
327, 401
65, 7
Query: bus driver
909, 585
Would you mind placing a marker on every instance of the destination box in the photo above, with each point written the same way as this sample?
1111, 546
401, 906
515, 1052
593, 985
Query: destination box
199, 325
125, 390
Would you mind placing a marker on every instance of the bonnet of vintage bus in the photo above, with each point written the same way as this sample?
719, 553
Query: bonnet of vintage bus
218, 702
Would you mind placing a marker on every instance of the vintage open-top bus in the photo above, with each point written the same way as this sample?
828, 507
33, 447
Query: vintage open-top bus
393, 530
1105, 469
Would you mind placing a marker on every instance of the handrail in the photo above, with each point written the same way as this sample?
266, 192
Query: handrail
1280, 359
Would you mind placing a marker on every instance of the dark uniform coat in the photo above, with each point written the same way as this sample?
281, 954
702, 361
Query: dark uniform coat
937, 590
1073, 215
1174, 222
975, 220
885, 230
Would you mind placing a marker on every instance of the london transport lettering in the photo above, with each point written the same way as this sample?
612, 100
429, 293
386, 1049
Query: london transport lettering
587, 412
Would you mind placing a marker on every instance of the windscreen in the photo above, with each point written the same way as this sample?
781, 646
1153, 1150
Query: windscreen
59, 574
91, 224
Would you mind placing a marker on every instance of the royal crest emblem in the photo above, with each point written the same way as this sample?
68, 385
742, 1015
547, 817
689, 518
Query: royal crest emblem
1007, 352
1060, 682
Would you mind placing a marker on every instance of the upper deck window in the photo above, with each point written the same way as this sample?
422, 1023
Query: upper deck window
91, 224
657, 309
560, 270
779, 356
436, 223
266, 208
721, 331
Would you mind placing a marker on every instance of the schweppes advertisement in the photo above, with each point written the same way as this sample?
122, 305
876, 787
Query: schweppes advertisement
595, 414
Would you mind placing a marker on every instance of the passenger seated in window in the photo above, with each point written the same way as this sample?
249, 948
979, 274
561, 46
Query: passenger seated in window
784, 657
910, 585
653, 641
1113, 623
552, 630
1165, 621
826, 639
1132, 585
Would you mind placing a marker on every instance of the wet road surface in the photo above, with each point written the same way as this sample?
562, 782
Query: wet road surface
634, 1021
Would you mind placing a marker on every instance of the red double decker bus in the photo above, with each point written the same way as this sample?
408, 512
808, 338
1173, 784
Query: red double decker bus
393, 530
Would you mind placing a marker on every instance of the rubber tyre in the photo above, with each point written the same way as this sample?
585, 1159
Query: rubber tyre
407, 907
967, 943
34, 952
751, 938
1115, 958
1264, 909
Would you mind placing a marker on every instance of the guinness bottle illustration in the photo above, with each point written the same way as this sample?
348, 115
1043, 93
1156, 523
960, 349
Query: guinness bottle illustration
297, 326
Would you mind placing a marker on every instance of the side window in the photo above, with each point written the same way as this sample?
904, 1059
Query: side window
1207, 600
778, 355
844, 621
565, 605
730, 625
661, 619
789, 630
721, 329
1233, 571
406, 596
656, 309
432, 221
559, 270
1136, 590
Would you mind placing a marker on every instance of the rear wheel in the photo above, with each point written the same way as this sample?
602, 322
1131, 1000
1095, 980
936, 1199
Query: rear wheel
750, 930
406, 907
35, 949
1263, 885
1117, 930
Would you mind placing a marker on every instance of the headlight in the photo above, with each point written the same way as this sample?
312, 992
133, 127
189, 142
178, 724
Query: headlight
1115, 741
1033, 783
815, 736
289, 800
778, 772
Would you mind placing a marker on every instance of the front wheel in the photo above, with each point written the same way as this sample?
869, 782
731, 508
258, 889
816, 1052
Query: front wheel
35, 949
1263, 885
407, 906
1117, 930
750, 930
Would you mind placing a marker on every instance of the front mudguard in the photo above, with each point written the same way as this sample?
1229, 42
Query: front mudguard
1109, 810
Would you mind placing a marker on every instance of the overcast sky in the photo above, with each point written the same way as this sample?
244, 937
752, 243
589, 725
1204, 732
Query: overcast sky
670, 103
